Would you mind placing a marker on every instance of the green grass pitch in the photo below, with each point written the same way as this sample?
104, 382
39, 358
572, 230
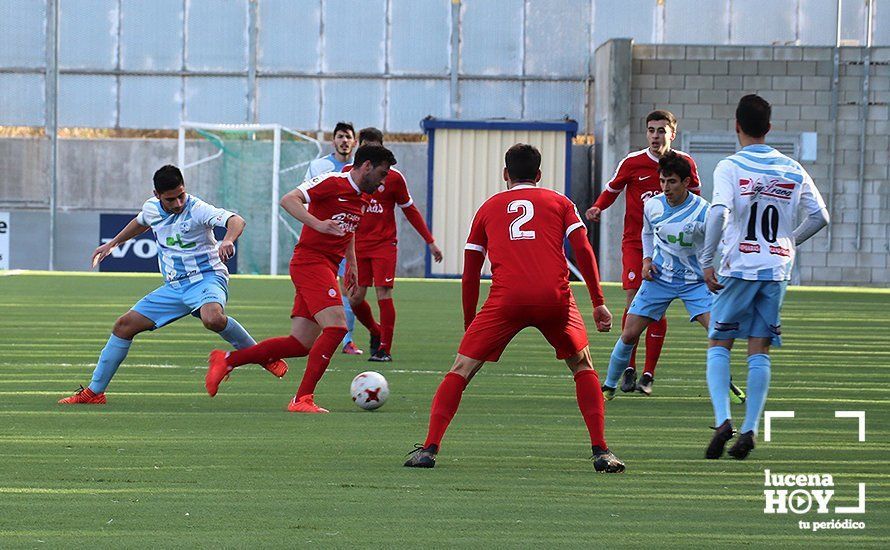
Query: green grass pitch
163, 465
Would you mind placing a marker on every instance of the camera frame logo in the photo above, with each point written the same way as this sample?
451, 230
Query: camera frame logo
809, 493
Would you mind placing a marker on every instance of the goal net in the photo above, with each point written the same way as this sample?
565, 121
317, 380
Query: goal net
246, 168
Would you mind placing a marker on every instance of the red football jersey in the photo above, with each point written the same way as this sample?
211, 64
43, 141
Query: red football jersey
331, 196
638, 173
522, 230
379, 224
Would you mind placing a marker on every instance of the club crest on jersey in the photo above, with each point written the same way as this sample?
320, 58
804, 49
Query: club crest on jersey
185, 226
332, 293
380, 188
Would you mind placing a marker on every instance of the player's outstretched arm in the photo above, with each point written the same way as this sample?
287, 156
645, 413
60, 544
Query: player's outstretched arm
234, 227
294, 203
586, 263
132, 230
610, 193
472, 278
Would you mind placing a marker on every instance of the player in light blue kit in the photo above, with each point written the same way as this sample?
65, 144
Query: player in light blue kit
196, 279
344, 142
673, 234
759, 191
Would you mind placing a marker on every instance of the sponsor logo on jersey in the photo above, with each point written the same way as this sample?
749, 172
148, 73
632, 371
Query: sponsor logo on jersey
679, 239
648, 195
748, 248
177, 241
375, 207
348, 222
779, 251
775, 188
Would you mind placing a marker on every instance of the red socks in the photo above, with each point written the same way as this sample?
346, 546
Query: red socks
366, 317
590, 401
267, 350
445, 404
633, 355
319, 358
387, 323
654, 340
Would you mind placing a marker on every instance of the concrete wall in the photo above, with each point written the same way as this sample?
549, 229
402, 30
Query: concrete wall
702, 84
114, 175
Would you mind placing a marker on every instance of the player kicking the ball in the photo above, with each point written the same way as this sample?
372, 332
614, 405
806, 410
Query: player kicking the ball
318, 321
522, 230
196, 277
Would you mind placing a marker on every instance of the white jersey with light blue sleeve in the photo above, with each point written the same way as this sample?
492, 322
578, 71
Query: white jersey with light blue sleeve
762, 189
324, 165
187, 249
677, 234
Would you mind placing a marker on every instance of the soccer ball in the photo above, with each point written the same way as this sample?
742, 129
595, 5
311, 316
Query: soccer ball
369, 390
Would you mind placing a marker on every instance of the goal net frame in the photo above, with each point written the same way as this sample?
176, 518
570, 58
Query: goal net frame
277, 131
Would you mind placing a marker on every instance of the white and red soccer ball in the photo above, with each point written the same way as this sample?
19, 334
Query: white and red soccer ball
369, 390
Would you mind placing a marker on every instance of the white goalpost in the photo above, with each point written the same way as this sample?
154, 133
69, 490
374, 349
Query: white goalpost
242, 152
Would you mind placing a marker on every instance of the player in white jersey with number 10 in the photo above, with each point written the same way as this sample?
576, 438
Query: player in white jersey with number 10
759, 191
196, 279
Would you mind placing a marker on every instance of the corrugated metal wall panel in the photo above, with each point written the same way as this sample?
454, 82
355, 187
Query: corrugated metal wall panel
359, 101
150, 102
696, 22
88, 34
763, 22
151, 35
488, 44
87, 100
344, 49
289, 39
216, 99
22, 97
468, 168
412, 100
420, 37
293, 102
623, 19
217, 35
22, 33
557, 37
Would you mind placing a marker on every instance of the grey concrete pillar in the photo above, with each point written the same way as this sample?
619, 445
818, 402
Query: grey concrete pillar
612, 104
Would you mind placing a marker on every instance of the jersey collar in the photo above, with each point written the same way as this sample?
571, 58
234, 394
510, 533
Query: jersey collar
523, 186
352, 183
758, 148
650, 155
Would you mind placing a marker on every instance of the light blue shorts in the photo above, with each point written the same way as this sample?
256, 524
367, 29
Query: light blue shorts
654, 297
747, 309
167, 304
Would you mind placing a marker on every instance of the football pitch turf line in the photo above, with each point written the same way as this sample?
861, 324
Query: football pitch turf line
164, 465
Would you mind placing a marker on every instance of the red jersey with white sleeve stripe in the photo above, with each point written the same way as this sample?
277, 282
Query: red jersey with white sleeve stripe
638, 174
331, 196
522, 230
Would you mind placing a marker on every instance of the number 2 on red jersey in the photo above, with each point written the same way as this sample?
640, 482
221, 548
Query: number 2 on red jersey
528, 212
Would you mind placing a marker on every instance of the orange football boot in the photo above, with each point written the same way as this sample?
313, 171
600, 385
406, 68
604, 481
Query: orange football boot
277, 367
305, 404
84, 396
217, 371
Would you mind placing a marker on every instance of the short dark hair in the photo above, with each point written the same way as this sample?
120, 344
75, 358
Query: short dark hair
370, 134
377, 154
673, 163
753, 114
523, 162
344, 127
167, 178
661, 114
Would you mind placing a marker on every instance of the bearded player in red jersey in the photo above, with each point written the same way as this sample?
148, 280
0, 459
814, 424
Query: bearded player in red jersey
638, 173
376, 252
522, 230
318, 321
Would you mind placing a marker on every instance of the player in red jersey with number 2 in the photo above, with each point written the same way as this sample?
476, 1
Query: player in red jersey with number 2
522, 230
318, 321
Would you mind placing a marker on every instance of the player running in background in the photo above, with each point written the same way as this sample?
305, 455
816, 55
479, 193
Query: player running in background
196, 279
343, 144
522, 230
377, 253
638, 173
318, 321
759, 191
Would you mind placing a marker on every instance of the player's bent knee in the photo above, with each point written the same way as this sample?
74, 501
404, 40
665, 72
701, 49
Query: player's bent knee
216, 322
126, 326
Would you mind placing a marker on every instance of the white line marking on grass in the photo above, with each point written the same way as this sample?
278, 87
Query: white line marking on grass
854, 414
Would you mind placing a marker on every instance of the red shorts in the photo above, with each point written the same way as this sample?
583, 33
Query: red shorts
631, 267
377, 266
316, 288
494, 327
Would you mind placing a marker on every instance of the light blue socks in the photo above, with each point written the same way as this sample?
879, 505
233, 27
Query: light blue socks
718, 383
350, 321
618, 362
236, 335
113, 354
758, 387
